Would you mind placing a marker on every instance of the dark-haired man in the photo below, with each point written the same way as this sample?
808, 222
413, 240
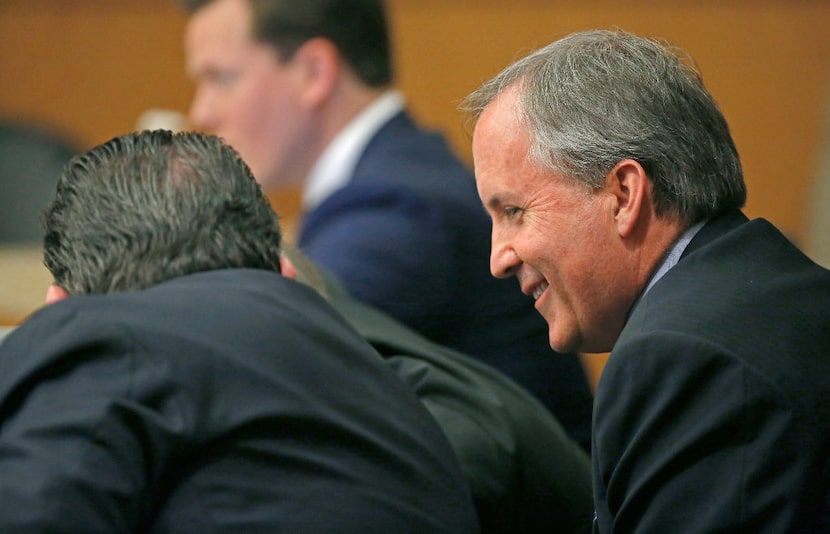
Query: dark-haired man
178, 383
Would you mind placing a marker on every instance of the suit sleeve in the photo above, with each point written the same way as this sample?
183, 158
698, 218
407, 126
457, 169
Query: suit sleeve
688, 438
474, 420
391, 248
87, 427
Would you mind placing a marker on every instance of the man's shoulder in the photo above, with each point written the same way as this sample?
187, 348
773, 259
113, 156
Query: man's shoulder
408, 149
208, 295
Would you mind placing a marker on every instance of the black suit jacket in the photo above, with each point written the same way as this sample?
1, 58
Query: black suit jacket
227, 401
526, 475
408, 235
713, 412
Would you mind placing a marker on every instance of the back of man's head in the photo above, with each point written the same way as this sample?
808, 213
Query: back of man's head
357, 28
147, 207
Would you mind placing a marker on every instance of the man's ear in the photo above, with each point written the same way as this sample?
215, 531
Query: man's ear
630, 187
55, 293
319, 64
287, 268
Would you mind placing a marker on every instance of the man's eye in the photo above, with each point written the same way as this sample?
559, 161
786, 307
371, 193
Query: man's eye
220, 78
511, 212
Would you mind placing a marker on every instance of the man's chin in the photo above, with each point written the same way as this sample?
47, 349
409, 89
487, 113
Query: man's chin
561, 343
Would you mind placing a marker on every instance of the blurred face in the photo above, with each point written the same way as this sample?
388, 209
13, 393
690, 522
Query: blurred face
557, 237
246, 95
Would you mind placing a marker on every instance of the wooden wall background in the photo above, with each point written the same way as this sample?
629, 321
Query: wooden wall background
89, 68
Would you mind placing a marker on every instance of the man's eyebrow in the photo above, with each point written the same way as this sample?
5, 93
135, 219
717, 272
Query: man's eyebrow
495, 201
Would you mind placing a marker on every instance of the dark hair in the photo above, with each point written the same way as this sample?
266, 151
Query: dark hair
151, 206
357, 28
598, 97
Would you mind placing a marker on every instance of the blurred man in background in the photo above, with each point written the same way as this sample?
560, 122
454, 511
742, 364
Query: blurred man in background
303, 90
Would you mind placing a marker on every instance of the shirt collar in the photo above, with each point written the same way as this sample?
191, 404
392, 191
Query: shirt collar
674, 254
335, 166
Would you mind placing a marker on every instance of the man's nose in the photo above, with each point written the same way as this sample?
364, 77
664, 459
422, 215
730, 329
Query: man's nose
503, 258
202, 114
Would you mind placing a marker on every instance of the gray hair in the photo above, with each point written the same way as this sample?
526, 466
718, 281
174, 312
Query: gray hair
595, 98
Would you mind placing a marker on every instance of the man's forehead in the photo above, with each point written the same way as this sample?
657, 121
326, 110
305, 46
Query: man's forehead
215, 44
219, 24
503, 110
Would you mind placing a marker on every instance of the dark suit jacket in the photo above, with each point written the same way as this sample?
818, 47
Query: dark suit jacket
408, 235
526, 474
713, 412
227, 401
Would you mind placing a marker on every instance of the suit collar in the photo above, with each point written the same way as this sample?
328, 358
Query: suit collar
335, 167
714, 228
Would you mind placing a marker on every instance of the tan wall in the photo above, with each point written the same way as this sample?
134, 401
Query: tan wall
766, 62
90, 67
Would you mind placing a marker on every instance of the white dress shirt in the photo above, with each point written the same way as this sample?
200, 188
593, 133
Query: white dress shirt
335, 166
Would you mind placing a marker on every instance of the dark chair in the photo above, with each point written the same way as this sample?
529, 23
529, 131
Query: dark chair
31, 160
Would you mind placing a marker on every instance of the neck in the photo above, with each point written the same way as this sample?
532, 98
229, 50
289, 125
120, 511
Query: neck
349, 98
663, 235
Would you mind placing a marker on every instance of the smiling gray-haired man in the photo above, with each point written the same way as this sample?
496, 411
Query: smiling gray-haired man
615, 191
